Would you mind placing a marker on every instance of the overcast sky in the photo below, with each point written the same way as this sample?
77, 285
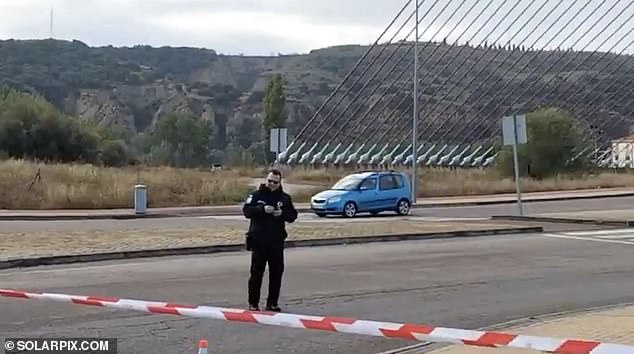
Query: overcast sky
265, 27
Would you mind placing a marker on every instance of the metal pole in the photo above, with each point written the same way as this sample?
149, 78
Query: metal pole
415, 109
517, 167
279, 142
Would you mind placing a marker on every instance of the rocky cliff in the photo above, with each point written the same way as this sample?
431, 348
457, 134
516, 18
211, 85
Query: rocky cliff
135, 87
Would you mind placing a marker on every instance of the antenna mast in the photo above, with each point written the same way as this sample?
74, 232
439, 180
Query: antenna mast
51, 24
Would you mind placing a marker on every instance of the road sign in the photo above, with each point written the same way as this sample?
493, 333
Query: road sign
279, 137
514, 133
514, 130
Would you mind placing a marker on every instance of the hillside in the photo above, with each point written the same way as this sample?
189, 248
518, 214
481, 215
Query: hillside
135, 87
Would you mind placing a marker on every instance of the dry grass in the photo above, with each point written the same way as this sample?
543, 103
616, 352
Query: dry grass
445, 182
87, 187
441, 182
71, 186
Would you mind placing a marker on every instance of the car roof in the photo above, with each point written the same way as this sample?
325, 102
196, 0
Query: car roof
365, 174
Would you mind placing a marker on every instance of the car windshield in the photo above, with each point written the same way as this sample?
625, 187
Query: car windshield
347, 183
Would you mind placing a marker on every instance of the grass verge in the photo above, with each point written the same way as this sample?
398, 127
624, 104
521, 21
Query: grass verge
28, 244
29, 185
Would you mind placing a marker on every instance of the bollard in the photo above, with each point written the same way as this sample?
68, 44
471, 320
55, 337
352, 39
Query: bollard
202, 347
140, 199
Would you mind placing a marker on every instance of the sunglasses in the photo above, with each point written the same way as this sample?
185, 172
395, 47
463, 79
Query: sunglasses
272, 181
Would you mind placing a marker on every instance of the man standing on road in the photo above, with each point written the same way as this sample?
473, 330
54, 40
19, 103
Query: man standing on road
269, 209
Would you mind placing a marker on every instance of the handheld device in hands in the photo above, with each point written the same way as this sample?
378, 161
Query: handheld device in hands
278, 209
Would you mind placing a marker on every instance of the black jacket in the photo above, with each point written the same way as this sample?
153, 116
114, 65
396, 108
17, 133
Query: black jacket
267, 230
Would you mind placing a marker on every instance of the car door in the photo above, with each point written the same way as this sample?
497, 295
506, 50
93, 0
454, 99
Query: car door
388, 192
368, 194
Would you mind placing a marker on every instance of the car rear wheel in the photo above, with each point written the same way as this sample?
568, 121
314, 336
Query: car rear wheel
350, 210
403, 207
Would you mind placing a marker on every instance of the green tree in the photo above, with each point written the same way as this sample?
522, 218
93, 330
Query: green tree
31, 127
12, 137
274, 107
274, 104
259, 152
114, 153
237, 156
182, 140
552, 137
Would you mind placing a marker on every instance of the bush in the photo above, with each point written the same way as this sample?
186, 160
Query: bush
114, 153
180, 139
32, 128
552, 138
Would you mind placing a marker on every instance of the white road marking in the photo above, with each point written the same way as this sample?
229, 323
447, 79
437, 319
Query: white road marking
600, 232
616, 237
581, 238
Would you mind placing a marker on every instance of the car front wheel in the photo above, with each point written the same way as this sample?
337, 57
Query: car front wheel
350, 210
403, 207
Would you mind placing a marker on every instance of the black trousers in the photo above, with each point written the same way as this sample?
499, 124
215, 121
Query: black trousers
260, 257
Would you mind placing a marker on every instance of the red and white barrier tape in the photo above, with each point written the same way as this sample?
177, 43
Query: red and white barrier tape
413, 332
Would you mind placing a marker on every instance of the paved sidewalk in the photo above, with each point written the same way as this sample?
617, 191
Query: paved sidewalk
613, 325
610, 217
234, 209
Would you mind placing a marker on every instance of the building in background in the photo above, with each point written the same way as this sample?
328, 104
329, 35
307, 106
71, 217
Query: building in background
623, 152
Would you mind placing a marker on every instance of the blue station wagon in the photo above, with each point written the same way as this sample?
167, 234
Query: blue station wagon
373, 192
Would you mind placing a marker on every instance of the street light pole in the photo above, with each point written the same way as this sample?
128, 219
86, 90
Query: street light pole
415, 114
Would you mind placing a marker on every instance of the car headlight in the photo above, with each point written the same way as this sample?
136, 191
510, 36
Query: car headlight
334, 200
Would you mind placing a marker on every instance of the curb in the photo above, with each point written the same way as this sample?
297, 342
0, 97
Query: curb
226, 210
524, 201
34, 217
622, 223
96, 257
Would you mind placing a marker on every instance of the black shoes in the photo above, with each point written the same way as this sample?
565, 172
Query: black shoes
268, 308
254, 308
273, 308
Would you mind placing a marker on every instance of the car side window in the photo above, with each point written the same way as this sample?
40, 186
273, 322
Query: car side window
387, 182
369, 183
398, 181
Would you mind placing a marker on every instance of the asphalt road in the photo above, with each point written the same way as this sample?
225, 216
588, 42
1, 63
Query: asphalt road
480, 211
465, 283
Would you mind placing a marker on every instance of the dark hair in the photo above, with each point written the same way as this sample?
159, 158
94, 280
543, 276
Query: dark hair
275, 172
